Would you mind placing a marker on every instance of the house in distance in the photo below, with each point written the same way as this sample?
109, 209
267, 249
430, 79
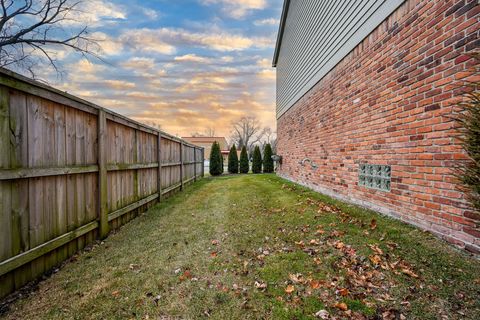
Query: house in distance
206, 143
365, 96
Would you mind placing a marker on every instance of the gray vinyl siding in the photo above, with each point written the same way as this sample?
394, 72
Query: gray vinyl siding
318, 34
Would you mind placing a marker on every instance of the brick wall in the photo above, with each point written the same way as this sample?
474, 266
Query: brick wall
389, 102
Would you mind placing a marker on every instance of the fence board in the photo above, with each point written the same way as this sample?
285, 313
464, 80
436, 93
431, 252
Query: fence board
69, 170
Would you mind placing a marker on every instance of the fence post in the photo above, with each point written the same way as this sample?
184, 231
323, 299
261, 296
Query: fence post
181, 165
159, 180
195, 164
203, 162
102, 174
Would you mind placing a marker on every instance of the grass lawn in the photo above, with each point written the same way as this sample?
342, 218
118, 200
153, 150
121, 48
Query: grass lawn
258, 247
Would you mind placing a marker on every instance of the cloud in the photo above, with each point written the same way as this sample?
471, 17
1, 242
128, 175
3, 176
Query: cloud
206, 81
264, 63
226, 59
267, 22
237, 9
146, 40
150, 13
119, 84
137, 63
268, 74
108, 45
192, 58
85, 71
165, 40
95, 13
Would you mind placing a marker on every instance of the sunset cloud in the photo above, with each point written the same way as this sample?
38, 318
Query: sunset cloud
191, 57
119, 84
165, 40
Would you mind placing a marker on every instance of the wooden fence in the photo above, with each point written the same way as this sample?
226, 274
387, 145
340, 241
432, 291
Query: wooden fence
70, 171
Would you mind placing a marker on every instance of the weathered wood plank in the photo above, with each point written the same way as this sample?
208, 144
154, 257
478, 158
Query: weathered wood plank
70, 136
159, 174
61, 180
102, 175
40, 250
182, 166
47, 121
13, 174
80, 159
35, 186
171, 164
134, 166
19, 158
7, 282
118, 213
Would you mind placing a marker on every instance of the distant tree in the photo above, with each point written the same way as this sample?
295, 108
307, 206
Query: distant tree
244, 164
216, 160
246, 132
208, 132
257, 160
267, 159
233, 160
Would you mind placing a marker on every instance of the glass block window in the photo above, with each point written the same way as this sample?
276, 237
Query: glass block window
375, 176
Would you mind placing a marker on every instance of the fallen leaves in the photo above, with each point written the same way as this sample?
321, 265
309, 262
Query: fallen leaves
410, 273
339, 245
322, 314
289, 289
186, 275
296, 278
301, 244
375, 259
341, 305
314, 284
373, 224
260, 285
343, 292
376, 249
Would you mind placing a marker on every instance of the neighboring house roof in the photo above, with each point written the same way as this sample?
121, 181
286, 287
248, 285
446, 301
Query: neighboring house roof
286, 3
208, 140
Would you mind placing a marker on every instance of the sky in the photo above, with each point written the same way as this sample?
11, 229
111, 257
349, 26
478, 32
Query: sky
185, 65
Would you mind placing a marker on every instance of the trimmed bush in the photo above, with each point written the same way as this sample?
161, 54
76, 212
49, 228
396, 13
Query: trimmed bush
233, 160
257, 160
216, 160
244, 165
221, 160
469, 172
267, 159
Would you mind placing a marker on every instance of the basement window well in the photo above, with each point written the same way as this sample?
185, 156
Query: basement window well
375, 176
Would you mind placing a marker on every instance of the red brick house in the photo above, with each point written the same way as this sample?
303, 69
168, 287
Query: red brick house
364, 103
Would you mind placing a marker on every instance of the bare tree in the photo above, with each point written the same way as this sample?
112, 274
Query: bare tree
269, 136
208, 132
31, 30
246, 132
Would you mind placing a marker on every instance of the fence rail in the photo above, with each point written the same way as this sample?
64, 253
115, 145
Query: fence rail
70, 171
